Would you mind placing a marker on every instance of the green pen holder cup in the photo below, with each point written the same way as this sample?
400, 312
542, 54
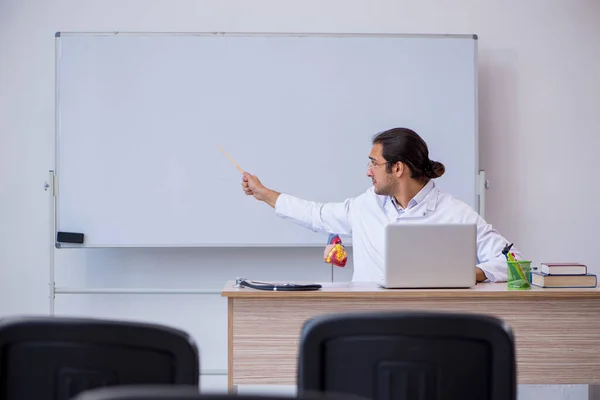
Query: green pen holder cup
519, 275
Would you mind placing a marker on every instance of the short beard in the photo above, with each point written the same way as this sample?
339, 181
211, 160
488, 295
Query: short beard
387, 190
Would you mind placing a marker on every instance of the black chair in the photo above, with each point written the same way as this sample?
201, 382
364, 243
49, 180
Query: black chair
158, 392
141, 392
55, 358
400, 355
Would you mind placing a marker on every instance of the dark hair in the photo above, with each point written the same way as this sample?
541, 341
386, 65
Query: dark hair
404, 145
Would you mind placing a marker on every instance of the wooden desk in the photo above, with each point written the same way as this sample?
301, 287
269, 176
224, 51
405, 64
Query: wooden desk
557, 331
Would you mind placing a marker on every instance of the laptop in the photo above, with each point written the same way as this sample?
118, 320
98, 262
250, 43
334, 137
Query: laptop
430, 256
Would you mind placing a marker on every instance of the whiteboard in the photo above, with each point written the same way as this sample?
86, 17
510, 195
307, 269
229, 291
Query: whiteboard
139, 118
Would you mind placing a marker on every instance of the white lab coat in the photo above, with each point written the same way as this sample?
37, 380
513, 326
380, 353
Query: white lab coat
365, 216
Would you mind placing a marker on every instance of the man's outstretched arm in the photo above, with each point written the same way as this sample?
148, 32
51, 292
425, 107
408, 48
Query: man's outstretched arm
320, 217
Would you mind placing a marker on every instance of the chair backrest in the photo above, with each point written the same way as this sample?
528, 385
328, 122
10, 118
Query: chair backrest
408, 355
142, 392
55, 358
162, 392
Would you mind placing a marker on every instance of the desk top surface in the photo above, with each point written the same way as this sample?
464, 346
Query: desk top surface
366, 290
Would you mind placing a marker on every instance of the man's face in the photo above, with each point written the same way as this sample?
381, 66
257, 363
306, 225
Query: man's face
383, 182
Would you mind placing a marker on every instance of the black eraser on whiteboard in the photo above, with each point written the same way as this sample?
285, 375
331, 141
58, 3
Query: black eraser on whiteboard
69, 237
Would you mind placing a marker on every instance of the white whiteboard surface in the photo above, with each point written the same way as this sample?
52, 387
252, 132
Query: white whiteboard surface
139, 118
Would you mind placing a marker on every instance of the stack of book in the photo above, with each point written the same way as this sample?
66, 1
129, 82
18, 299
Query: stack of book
563, 275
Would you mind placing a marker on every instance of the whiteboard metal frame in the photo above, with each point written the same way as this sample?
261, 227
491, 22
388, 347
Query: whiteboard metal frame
479, 193
271, 34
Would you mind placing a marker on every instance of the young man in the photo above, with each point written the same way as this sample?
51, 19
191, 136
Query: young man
403, 188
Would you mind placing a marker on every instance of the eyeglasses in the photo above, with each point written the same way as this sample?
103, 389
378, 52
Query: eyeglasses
373, 164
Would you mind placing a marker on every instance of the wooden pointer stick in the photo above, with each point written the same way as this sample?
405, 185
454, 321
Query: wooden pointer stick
231, 159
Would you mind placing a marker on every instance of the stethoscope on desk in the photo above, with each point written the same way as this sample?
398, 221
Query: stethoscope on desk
243, 282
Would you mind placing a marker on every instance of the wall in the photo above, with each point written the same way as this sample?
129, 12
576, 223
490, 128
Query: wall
540, 125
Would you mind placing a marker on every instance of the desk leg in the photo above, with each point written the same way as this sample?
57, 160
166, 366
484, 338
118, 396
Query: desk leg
594, 392
230, 384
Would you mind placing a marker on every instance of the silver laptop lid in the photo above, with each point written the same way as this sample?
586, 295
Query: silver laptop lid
430, 255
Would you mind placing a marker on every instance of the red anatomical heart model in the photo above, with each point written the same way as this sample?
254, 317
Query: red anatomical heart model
335, 253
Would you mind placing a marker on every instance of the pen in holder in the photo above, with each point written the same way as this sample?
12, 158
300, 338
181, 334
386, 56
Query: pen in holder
518, 274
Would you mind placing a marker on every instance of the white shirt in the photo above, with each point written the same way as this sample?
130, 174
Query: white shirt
365, 216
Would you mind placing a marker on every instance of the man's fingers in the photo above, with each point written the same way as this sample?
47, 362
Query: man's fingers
246, 183
246, 188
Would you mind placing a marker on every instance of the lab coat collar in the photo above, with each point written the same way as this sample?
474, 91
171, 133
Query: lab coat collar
422, 195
